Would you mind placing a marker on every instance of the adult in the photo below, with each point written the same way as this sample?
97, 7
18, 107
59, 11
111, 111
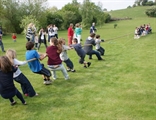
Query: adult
30, 32
55, 28
78, 31
70, 34
88, 47
1, 43
92, 28
42, 38
51, 32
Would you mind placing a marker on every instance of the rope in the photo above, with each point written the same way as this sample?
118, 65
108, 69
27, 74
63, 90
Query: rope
110, 39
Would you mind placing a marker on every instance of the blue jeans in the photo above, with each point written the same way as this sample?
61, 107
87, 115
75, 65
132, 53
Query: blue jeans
2, 47
92, 52
69, 63
25, 85
11, 94
101, 50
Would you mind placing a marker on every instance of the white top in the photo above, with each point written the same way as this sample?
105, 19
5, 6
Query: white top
63, 54
55, 29
16, 63
97, 41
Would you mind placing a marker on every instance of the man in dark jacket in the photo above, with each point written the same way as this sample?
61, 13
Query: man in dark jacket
88, 47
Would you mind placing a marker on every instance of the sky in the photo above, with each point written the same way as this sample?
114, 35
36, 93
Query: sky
108, 4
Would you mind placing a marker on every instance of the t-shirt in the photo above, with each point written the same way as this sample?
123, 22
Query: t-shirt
53, 56
35, 65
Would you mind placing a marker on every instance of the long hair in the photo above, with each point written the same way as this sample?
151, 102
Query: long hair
11, 54
5, 64
56, 43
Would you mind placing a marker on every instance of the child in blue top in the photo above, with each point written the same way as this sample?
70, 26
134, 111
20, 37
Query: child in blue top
36, 66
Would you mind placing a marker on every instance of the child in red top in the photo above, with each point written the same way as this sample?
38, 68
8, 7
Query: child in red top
14, 37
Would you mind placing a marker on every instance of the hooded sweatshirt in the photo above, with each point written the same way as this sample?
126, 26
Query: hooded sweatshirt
88, 46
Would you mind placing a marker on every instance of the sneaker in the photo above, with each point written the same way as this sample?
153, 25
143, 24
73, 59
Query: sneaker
45, 82
36, 94
67, 78
89, 63
48, 82
85, 66
68, 70
13, 103
24, 103
73, 70
54, 78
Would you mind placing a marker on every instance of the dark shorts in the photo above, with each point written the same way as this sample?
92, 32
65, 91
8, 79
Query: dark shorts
82, 59
44, 71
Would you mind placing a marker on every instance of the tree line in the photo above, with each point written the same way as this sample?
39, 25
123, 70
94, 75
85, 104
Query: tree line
16, 14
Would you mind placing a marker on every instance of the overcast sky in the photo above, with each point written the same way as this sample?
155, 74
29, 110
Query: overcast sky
108, 4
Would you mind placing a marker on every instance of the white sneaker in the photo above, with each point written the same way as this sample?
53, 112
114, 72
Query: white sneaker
67, 78
45, 82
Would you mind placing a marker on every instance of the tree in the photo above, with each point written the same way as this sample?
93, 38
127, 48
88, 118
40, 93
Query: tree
28, 19
70, 14
151, 12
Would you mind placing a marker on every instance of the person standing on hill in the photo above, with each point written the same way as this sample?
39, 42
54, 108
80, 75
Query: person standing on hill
92, 28
1, 43
70, 34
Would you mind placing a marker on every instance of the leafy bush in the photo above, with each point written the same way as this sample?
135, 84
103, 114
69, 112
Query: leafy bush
151, 12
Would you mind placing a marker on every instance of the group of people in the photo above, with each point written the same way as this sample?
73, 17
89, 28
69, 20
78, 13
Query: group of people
142, 30
56, 54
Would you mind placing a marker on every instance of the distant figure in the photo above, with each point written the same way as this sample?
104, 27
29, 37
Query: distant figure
55, 28
92, 28
1, 43
14, 37
78, 31
70, 34
42, 38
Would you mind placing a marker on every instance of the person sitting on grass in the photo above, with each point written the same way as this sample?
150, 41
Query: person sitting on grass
54, 62
35, 66
7, 87
88, 47
97, 46
18, 76
80, 52
64, 57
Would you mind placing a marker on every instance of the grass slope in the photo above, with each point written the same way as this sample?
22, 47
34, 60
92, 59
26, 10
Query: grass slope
122, 87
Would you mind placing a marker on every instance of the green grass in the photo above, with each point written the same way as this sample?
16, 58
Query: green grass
120, 88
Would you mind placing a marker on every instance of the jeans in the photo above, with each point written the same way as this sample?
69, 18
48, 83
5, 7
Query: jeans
11, 94
101, 50
2, 47
94, 52
60, 68
25, 85
69, 63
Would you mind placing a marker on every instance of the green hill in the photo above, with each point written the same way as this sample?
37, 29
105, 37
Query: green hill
120, 88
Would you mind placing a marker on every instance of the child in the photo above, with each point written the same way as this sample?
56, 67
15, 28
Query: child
97, 46
80, 52
7, 87
35, 66
14, 37
18, 76
64, 57
54, 62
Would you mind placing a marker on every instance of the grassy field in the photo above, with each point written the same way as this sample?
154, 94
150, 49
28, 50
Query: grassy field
123, 87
